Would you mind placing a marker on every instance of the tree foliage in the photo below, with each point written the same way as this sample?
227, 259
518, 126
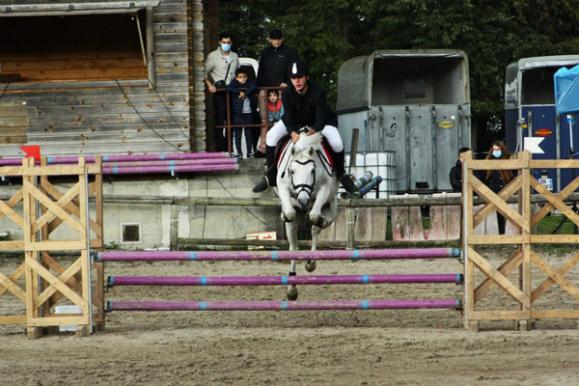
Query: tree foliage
492, 32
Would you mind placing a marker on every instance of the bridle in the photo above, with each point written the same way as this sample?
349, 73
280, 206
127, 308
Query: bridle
308, 188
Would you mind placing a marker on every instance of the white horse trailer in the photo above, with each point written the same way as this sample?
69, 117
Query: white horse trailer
414, 103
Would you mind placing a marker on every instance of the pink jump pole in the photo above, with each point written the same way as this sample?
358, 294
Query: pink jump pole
274, 305
122, 157
170, 169
354, 254
456, 278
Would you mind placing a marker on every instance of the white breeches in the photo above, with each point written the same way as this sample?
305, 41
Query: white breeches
331, 133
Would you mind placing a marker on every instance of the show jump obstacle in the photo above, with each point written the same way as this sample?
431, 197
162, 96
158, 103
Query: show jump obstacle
39, 208
317, 305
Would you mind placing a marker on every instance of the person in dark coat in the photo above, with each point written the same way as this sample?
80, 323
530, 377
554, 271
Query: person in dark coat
496, 180
273, 64
456, 171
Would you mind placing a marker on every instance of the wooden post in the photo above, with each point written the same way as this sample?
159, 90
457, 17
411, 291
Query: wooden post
354, 149
468, 231
32, 278
83, 193
350, 227
150, 33
98, 294
525, 269
174, 227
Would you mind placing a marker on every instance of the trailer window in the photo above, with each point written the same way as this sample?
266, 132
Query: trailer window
538, 87
72, 48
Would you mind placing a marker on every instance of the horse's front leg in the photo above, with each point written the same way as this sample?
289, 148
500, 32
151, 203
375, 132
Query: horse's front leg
291, 229
315, 215
318, 222
288, 212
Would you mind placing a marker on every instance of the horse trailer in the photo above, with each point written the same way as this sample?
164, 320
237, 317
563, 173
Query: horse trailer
415, 103
530, 110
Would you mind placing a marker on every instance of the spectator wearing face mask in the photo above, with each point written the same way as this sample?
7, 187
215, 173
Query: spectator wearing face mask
220, 67
496, 180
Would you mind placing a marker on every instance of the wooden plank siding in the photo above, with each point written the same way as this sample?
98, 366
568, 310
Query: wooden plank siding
100, 115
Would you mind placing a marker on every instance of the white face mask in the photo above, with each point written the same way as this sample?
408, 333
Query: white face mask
226, 47
497, 153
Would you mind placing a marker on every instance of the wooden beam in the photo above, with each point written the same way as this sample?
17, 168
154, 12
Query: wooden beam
555, 276
549, 282
506, 269
498, 277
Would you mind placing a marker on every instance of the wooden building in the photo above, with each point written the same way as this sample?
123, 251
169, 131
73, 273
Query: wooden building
102, 77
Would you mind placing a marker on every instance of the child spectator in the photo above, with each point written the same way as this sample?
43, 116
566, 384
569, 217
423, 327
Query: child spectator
274, 107
456, 171
241, 91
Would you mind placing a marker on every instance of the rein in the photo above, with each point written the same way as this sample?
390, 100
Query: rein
308, 188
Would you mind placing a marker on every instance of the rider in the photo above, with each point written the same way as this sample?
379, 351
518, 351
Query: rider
305, 109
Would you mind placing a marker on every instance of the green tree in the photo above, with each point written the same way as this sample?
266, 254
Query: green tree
492, 32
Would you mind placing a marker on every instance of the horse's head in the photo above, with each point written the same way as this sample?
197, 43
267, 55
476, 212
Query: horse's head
302, 169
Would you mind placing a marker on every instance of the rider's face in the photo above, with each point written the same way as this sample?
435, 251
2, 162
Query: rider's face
300, 83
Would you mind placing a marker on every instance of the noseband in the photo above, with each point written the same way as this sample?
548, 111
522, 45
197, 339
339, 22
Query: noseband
308, 188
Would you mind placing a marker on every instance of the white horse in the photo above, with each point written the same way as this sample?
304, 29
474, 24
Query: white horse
306, 181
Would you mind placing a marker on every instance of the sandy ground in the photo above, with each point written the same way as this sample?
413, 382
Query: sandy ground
417, 347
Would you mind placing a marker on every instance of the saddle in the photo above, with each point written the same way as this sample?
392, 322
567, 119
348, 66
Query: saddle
326, 155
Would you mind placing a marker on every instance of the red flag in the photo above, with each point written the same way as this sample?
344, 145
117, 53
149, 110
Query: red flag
31, 151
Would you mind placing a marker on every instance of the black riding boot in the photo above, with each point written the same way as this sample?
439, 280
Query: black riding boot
269, 180
346, 180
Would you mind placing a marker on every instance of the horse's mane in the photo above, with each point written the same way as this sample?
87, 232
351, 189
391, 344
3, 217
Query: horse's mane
305, 141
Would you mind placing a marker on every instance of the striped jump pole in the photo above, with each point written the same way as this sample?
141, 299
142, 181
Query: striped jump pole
122, 158
169, 169
456, 278
274, 305
355, 254
170, 162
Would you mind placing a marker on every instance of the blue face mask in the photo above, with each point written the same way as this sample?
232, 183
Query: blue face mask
226, 47
497, 153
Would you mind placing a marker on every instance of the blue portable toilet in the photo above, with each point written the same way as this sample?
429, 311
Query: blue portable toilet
530, 110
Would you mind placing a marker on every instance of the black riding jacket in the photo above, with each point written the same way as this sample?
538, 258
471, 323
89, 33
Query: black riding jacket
274, 64
309, 109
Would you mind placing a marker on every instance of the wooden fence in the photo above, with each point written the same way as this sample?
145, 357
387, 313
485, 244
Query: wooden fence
525, 291
42, 281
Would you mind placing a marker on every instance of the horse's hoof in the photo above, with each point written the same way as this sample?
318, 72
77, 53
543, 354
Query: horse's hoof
310, 265
292, 294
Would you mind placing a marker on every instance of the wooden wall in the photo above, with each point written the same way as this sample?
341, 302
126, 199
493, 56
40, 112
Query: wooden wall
101, 116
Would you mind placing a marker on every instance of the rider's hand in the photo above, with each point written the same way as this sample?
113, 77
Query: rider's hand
261, 145
283, 85
294, 136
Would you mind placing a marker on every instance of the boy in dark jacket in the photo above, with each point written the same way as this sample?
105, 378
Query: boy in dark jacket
241, 91
456, 171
